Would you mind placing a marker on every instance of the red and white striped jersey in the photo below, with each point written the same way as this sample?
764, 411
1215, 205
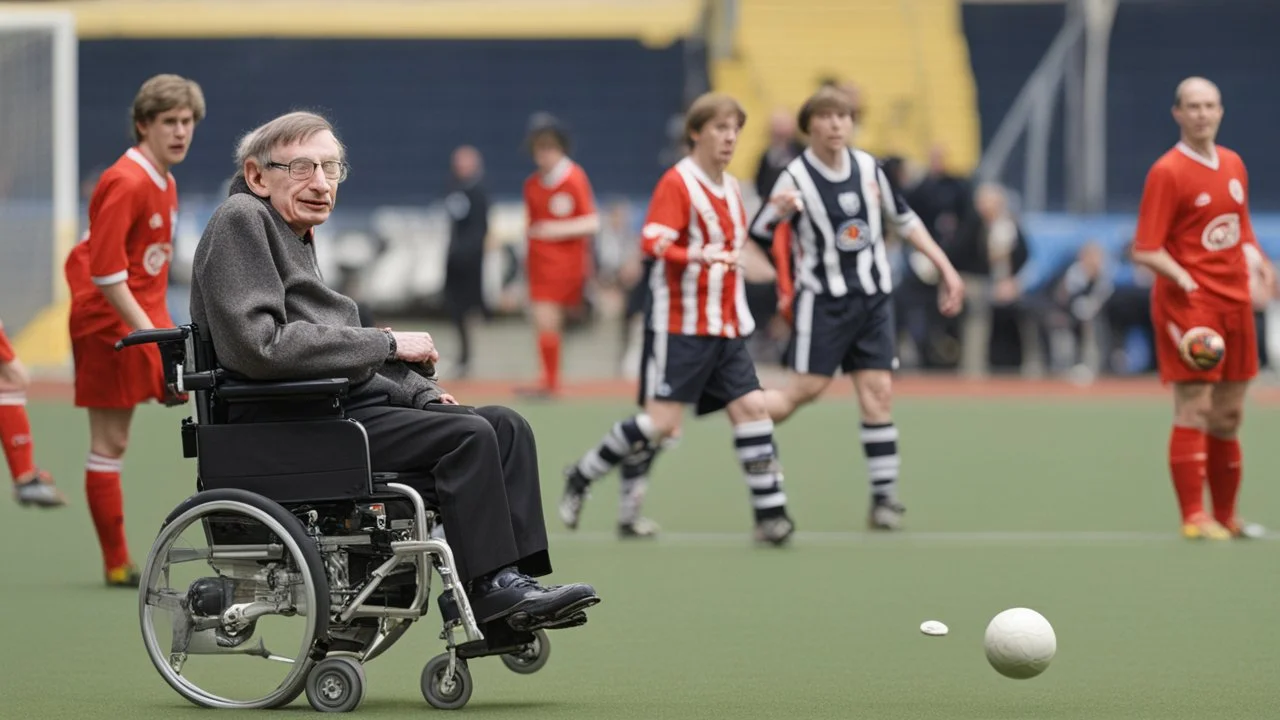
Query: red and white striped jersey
688, 210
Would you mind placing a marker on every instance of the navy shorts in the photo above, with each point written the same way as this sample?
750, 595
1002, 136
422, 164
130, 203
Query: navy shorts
706, 372
855, 332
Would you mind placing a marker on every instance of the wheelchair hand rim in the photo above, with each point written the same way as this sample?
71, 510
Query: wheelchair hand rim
303, 662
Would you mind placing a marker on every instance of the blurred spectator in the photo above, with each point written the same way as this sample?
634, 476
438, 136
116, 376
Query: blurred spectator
468, 208
942, 201
1129, 344
762, 299
784, 146
1070, 309
1262, 297
991, 244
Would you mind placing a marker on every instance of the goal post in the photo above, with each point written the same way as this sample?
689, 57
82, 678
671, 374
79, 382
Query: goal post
39, 177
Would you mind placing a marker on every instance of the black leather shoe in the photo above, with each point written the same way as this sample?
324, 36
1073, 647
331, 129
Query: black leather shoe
523, 602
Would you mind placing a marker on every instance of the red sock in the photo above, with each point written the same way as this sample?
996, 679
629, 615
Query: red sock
1224, 476
106, 505
15, 433
1187, 455
549, 346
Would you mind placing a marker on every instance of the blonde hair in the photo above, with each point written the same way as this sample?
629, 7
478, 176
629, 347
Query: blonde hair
162, 93
707, 107
284, 130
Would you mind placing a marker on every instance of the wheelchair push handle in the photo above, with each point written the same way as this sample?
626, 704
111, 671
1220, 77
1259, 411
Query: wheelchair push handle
157, 335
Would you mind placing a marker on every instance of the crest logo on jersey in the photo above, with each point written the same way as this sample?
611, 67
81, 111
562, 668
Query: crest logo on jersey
853, 236
560, 204
1236, 189
849, 202
156, 221
1203, 199
155, 257
1222, 233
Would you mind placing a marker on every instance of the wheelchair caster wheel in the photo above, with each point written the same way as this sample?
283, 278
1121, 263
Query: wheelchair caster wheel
336, 684
531, 659
446, 693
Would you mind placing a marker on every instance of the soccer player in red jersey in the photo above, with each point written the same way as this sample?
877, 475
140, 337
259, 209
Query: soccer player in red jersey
118, 276
562, 220
695, 347
1193, 229
31, 485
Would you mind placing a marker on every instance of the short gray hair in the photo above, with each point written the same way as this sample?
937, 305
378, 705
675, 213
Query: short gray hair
284, 130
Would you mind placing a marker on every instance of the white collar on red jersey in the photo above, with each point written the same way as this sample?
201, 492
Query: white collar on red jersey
136, 155
715, 188
1209, 162
558, 173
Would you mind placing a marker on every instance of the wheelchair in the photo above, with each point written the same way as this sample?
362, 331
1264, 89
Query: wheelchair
299, 528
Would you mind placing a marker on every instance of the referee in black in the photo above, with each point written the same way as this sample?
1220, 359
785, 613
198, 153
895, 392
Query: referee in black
468, 206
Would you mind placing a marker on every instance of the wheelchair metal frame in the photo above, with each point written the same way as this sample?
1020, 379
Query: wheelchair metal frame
190, 366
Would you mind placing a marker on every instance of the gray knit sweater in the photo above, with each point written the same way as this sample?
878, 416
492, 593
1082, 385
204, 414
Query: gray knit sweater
257, 288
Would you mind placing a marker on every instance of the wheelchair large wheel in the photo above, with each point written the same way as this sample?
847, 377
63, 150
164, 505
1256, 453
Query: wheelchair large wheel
266, 570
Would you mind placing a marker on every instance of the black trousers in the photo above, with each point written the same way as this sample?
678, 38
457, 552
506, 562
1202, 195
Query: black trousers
483, 464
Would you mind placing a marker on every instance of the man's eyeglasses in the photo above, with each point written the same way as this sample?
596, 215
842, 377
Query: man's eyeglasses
303, 169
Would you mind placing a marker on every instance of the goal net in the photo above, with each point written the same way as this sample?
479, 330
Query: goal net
38, 164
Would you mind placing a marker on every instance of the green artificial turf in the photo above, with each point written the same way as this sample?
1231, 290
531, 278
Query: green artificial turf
1064, 507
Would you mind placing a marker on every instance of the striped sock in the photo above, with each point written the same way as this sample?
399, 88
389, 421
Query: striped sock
760, 468
880, 445
624, 438
634, 483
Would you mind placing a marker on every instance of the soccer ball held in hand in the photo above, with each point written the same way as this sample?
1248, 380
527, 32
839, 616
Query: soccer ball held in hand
1202, 348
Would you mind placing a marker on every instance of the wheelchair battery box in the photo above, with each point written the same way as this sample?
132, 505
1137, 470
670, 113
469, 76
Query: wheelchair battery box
288, 462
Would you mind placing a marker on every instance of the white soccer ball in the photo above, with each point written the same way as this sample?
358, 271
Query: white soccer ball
1020, 643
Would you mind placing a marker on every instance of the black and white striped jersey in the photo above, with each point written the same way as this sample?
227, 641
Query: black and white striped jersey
837, 240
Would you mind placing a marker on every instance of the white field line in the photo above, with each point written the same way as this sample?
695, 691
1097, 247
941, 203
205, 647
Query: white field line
902, 538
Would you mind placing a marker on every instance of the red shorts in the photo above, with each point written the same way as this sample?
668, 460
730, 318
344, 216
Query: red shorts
109, 379
1236, 326
7, 355
558, 271
563, 291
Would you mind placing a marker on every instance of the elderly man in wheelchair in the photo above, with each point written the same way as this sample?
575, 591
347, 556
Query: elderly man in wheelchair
334, 474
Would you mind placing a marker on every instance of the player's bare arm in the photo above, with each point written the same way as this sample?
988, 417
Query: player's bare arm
126, 305
565, 229
951, 291
1162, 263
756, 266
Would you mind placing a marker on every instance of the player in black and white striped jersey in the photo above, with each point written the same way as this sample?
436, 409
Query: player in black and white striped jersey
827, 217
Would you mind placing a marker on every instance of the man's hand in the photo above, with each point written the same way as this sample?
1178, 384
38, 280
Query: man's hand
786, 203
951, 294
415, 347
721, 256
448, 399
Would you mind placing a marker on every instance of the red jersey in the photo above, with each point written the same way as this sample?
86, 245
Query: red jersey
689, 210
562, 194
130, 239
1197, 209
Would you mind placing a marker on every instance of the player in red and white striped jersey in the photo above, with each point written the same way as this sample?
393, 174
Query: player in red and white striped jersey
695, 349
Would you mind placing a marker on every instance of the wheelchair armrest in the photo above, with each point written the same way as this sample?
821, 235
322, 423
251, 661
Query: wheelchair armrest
255, 391
157, 335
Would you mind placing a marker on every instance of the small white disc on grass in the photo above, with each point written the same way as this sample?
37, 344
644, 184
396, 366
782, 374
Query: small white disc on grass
933, 627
